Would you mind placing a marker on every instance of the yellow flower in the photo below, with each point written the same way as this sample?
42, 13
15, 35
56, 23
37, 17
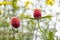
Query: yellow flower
49, 2
4, 3
27, 4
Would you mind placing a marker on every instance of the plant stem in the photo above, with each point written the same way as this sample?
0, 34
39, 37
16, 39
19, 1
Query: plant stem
39, 26
42, 32
22, 21
37, 30
13, 33
36, 35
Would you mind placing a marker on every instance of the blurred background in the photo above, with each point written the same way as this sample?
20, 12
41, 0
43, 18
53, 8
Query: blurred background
28, 30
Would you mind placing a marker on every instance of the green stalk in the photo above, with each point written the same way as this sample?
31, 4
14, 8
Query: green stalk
13, 33
37, 29
39, 26
42, 32
36, 35
4, 15
22, 21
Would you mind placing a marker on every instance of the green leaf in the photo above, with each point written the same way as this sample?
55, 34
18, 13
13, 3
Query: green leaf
50, 36
48, 16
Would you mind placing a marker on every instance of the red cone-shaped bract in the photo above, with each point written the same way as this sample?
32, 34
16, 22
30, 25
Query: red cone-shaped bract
15, 22
37, 13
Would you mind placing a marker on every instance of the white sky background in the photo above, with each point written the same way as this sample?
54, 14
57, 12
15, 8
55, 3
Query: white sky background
55, 10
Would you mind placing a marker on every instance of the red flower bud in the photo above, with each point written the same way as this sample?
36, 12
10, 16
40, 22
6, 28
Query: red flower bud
15, 22
37, 13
